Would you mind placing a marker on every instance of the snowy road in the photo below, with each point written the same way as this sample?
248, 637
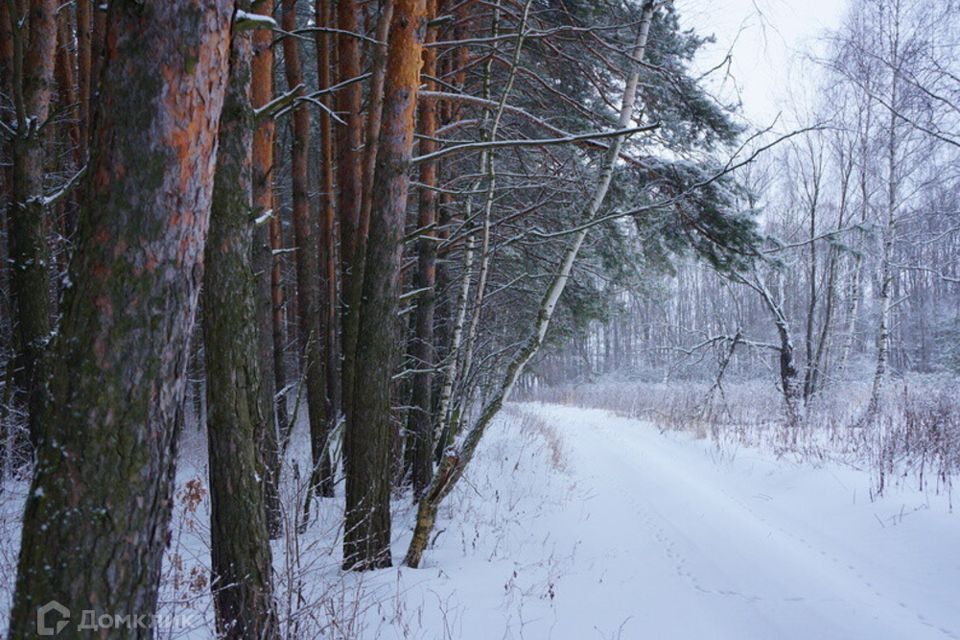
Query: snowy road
676, 544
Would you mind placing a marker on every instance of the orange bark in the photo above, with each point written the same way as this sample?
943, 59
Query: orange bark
328, 238
308, 278
368, 437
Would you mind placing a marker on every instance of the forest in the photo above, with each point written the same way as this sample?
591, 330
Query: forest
317, 317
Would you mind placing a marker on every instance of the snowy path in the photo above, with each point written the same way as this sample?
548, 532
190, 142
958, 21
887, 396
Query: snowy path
673, 544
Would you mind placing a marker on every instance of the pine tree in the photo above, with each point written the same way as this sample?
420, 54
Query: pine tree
366, 542
96, 518
237, 413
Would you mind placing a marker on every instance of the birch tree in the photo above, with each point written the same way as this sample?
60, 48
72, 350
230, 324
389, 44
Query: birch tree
454, 462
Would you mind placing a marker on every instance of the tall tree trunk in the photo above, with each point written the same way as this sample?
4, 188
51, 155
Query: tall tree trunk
855, 294
816, 372
7, 425
104, 474
420, 440
98, 44
349, 101
65, 74
328, 237
445, 415
487, 168
349, 185
284, 420
262, 193
366, 543
85, 11
33, 86
237, 412
354, 233
813, 193
308, 274
6, 169
885, 296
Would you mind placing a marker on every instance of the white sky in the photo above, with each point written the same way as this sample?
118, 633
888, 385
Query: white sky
768, 39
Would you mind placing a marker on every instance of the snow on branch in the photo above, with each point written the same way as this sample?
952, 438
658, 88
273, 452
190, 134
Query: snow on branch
244, 21
62, 192
278, 104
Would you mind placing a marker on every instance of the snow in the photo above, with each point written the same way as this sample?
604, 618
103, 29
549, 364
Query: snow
263, 218
574, 523
650, 535
679, 541
259, 20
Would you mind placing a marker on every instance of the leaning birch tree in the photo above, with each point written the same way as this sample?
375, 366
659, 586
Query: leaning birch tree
455, 461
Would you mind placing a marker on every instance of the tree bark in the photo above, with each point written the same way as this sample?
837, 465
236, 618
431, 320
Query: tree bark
6, 172
237, 413
65, 210
84, 51
263, 260
353, 234
96, 518
328, 236
885, 298
367, 530
33, 87
420, 439
277, 305
349, 101
308, 269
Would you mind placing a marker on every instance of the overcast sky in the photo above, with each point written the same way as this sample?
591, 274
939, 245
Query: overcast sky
768, 39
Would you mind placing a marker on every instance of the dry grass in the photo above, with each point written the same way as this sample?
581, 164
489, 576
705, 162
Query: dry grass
915, 439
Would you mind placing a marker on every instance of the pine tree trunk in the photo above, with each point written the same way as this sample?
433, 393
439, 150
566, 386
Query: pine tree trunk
64, 211
308, 269
6, 186
349, 192
421, 416
349, 101
354, 229
95, 524
85, 11
366, 542
262, 176
7, 425
328, 237
33, 87
236, 415
284, 421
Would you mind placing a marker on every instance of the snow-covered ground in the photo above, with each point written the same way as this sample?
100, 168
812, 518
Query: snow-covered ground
577, 524
676, 540
647, 535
